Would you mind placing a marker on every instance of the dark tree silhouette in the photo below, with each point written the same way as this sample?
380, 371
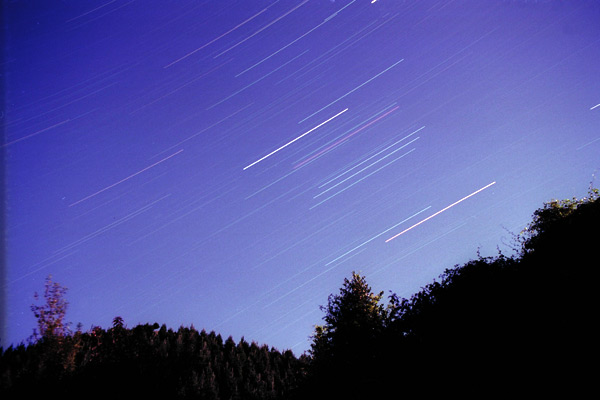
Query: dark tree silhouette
118, 322
498, 326
344, 349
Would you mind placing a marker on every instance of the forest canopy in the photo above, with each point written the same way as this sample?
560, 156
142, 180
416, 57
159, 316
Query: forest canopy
501, 325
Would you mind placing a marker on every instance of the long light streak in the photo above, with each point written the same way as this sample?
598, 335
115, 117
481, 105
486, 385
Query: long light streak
112, 225
258, 80
267, 293
91, 11
441, 211
205, 129
262, 29
396, 260
171, 220
344, 138
35, 133
101, 15
353, 90
292, 141
367, 167
295, 40
219, 37
327, 52
364, 161
44, 265
587, 144
48, 128
124, 179
270, 184
180, 87
376, 236
310, 280
363, 121
362, 179
335, 139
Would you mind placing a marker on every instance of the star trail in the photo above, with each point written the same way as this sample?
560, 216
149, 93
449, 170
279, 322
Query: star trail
228, 163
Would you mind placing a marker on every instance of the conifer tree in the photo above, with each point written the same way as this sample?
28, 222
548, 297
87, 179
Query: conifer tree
351, 317
344, 349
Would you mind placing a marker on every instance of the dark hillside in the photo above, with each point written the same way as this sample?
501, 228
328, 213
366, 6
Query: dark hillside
493, 326
499, 326
148, 361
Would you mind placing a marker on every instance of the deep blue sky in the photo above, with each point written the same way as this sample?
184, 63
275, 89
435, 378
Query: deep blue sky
227, 163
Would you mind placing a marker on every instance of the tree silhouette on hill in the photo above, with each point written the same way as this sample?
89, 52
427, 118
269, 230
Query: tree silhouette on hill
496, 326
344, 350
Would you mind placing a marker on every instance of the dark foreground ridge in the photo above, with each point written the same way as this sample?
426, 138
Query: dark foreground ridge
501, 326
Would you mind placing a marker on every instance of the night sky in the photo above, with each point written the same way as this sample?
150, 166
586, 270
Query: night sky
226, 164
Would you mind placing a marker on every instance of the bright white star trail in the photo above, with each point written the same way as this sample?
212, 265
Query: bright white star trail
439, 212
292, 141
226, 164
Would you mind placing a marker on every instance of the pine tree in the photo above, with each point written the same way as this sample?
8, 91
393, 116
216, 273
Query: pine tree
343, 352
353, 316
